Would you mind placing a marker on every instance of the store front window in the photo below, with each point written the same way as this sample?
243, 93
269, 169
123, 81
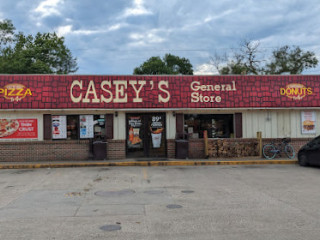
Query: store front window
74, 127
217, 125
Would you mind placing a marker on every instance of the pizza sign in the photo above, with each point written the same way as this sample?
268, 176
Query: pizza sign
15, 92
18, 128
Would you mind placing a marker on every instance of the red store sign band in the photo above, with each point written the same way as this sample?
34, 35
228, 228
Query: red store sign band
61, 92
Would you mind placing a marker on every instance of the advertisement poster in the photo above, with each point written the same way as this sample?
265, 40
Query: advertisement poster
134, 140
18, 128
308, 122
59, 127
86, 126
156, 131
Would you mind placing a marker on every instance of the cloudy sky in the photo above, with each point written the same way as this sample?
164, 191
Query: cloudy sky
115, 36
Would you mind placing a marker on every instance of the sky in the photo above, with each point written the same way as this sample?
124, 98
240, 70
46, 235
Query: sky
112, 37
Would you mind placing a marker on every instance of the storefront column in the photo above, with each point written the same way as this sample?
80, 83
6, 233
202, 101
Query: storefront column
47, 127
238, 125
116, 147
109, 126
119, 128
171, 125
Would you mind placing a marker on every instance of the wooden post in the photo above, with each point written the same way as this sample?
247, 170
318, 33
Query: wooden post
259, 138
206, 150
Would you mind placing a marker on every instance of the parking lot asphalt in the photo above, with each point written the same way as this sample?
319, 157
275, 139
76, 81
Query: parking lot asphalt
235, 202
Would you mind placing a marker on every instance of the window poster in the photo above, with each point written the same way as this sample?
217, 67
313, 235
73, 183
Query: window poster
18, 128
59, 127
86, 126
308, 122
156, 131
134, 139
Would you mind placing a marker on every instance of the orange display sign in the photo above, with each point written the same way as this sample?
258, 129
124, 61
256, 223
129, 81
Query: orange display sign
18, 128
15, 92
296, 91
308, 121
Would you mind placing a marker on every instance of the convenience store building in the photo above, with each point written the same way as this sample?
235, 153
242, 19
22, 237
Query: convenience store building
57, 117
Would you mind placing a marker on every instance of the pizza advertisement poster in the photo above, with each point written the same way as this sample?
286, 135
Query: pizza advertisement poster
18, 128
308, 122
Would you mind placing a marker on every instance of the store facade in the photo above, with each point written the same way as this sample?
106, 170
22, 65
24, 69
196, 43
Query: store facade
51, 117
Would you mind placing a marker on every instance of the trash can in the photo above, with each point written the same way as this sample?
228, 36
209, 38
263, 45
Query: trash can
99, 149
182, 146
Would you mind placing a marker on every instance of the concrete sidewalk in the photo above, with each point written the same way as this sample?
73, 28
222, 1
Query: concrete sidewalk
146, 162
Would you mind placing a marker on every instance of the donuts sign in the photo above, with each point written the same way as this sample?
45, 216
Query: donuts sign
296, 91
15, 92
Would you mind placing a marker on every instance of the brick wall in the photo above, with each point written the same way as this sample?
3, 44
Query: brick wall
44, 151
79, 150
116, 149
171, 148
196, 148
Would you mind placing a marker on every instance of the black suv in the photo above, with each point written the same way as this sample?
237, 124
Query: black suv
309, 154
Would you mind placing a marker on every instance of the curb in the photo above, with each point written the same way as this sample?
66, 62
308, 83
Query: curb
141, 163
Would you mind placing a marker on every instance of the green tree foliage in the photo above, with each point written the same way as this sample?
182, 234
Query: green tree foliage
6, 31
170, 64
44, 53
234, 66
292, 60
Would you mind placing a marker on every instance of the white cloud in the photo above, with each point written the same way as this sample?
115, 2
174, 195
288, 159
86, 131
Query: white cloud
205, 69
137, 9
142, 39
67, 30
48, 7
115, 27
219, 16
64, 30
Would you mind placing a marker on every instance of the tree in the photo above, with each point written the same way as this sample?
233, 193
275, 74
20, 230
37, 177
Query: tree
44, 53
234, 66
249, 51
293, 60
6, 31
247, 59
170, 64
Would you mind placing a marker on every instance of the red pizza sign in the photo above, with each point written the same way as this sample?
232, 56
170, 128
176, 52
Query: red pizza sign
18, 128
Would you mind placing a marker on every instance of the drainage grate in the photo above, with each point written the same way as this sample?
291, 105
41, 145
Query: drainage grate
187, 191
110, 228
172, 206
154, 192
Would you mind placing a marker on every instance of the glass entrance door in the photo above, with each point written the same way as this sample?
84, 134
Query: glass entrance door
146, 135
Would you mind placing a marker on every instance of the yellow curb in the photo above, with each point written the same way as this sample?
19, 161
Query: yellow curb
142, 163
